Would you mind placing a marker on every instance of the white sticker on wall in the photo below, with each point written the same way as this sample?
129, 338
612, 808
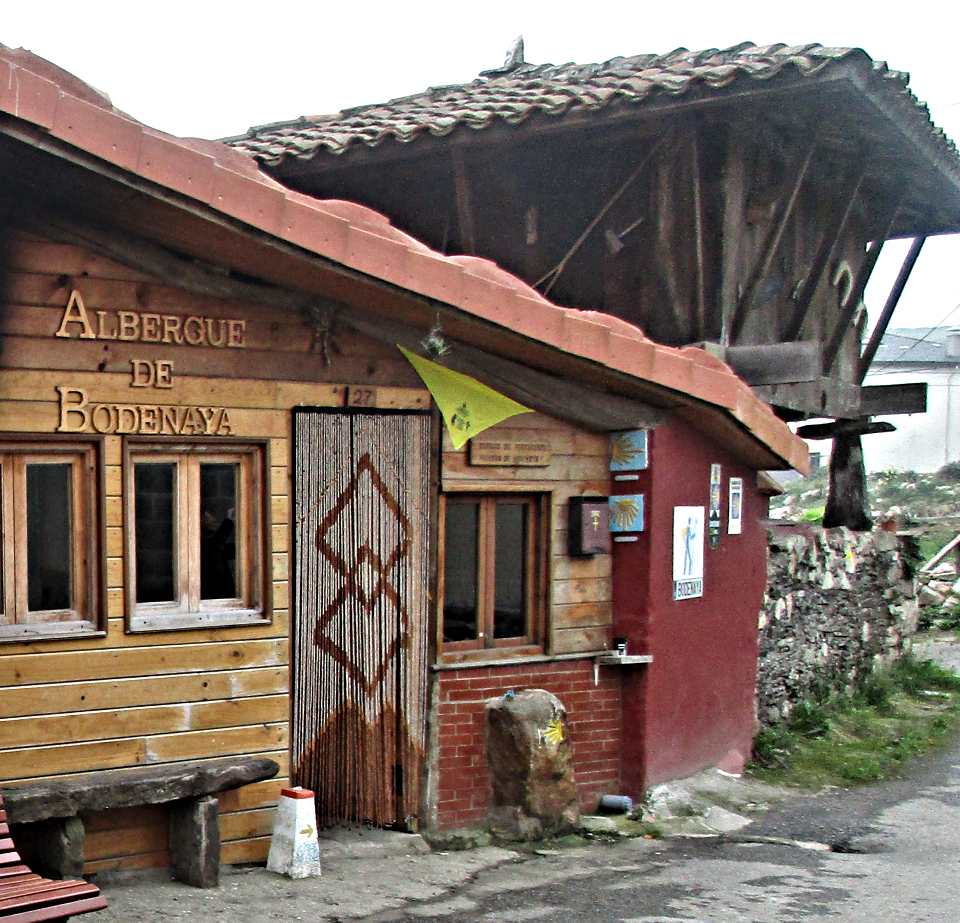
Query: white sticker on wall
735, 516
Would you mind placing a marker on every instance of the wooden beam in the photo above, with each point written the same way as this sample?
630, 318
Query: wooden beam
168, 267
821, 260
562, 398
468, 238
775, 363
880, 328
824, 397
771, 247
909, 397
861, 427
701, 324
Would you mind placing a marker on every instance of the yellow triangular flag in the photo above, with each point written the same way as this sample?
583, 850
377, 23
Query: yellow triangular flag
468, 407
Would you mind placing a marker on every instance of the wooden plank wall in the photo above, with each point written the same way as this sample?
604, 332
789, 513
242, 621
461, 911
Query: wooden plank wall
83, 704
580, 609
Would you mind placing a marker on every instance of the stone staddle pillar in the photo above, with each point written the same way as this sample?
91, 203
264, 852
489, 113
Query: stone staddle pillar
531, 765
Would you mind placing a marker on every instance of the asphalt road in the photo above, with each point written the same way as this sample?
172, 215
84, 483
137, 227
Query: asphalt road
883, 852
900, 861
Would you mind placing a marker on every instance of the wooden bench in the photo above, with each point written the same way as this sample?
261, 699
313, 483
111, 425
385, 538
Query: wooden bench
28, 898
53, 810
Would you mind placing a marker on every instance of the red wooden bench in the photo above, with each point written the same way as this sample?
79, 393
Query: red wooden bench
28, 898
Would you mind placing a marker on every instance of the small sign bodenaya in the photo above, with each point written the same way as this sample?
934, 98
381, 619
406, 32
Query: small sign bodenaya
688, 522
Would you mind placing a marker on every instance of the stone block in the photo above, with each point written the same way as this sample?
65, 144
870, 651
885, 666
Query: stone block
52, 848
531, 765
194, 826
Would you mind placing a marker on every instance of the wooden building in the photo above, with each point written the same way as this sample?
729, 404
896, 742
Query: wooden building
227, 497
735, 198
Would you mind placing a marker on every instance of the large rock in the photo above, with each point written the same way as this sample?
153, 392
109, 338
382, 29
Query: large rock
531, 764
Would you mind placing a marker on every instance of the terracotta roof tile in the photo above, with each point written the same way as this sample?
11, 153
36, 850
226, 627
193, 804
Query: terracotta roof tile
229, 182
515, 95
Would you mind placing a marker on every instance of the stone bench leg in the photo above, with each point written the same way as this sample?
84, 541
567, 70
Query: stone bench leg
194, 826
52, 848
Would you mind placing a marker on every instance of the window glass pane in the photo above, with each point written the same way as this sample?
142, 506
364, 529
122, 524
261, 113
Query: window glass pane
154, 506
510, 598
48, 537
460, 572
218, 533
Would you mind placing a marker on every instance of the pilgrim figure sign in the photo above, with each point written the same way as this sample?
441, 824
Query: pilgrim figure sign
687, 552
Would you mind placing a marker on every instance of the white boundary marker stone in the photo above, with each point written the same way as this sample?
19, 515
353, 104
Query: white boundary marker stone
294, 850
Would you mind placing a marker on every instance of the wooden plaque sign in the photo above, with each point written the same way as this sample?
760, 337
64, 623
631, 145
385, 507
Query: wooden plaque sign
520, 450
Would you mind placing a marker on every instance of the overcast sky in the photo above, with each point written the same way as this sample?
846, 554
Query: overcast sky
212, 69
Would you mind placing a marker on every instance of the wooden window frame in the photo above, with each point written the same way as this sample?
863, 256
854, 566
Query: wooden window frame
537, 553
83, 617
188, 610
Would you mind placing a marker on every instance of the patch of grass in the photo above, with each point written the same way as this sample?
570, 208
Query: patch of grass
894, 715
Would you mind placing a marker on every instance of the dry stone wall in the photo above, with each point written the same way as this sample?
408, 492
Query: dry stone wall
837, 604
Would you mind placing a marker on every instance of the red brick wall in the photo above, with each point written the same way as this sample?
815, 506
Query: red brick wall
593, 712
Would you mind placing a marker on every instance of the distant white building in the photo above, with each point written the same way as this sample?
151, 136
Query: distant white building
923, 441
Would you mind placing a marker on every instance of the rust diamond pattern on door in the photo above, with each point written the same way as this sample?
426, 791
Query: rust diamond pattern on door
360, 629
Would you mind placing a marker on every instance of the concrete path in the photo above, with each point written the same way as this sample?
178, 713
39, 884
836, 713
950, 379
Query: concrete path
351, 887
883, 852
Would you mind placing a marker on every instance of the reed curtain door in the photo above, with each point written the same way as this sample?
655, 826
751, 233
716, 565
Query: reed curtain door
361, 530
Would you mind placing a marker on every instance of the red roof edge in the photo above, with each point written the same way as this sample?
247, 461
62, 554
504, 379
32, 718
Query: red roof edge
229, 182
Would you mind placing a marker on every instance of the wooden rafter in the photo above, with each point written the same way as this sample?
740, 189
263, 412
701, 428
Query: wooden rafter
831, 237
551, 277
880, 328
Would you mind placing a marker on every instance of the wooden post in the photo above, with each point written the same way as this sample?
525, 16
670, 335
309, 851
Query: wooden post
734, 198
771, 246
701, 306
847, 500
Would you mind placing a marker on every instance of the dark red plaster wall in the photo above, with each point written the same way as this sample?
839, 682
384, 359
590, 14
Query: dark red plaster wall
693, 707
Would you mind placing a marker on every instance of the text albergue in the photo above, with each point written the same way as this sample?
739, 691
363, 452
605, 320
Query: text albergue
141, 327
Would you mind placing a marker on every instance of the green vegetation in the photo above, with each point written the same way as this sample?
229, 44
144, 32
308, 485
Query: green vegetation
894, 715
928, 504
